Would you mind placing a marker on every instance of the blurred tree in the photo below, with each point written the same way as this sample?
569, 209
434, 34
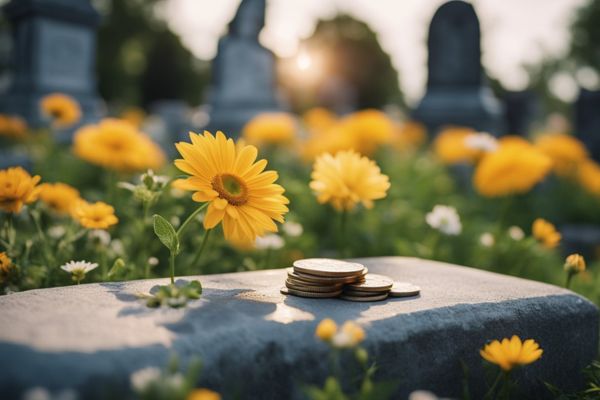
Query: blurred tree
139, 60
585, 40
352, 55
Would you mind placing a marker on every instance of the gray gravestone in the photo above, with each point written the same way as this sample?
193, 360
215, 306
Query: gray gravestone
521, 109
54, 47
260, 344
587, 120
457, 93
243, 72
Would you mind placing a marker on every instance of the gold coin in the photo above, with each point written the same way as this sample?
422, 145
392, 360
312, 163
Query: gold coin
288, 291
359, 293
328, 267
373, 283
312, 279
379, 297
404, 289
308, 288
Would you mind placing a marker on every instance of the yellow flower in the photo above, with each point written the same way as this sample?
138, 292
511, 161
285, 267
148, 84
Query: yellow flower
203, 394
117, 145
546, 233
134, 115
6, 266
512, 169
241, 194
17, 188
330, 141
59, 196
575, 263
511, 352
269, 129
451, 148
98, 215
350, 335
326, 329
12, 127
318, 120
346, 179
369, 129
62, 109
588, 175
565, 151
410, 135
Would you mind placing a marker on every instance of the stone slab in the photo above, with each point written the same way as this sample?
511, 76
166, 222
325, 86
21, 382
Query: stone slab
255, 341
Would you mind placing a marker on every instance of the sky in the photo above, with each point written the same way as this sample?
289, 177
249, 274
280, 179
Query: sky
514, 32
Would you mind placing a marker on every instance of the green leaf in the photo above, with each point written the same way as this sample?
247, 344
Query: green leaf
166, 233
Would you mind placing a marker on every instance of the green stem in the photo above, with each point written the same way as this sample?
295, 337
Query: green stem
202, 246
172, 265
569, 278
45, 251
190, 218
490, 392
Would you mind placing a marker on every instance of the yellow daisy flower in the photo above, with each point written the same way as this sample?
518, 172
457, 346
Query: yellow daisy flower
270, 129
574, 263
512, 169
369, 129
346, 179
330, 141
318, 120
17, 188
59, 196
12, 127
98, 215
450, 146
326, 329
64, 110
6, 266
588, 175
203, 394
512, 352
565, 151
241, 195
117, 145
546, 233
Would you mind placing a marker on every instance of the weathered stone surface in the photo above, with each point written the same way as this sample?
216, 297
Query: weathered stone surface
255, 341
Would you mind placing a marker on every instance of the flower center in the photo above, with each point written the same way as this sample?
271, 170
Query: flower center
230, 188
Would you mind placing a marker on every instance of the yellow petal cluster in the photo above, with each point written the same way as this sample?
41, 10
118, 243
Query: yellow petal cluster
17, 188
513, 168
349, 335
326, 329
270, 129
63, 110
347, 179
12, 127
117, 145
369, 129
546, 233
574, 263
409, 135
565, 151
6, 266
512, 352
241, 194
451, 148
588, 175
203, 394
98, 215
60, 197
318, 120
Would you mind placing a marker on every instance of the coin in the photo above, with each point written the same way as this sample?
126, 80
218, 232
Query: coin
317, 289
287, 291
379, 297
373, 283
328, 267
297, 281
359, 293
321, 279
404, 289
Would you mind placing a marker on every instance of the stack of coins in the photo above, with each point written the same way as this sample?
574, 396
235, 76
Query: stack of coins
326, 278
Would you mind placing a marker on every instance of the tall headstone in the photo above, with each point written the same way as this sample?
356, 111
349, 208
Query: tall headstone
457, 93
54, 49
521, 109
243, 72
587, 120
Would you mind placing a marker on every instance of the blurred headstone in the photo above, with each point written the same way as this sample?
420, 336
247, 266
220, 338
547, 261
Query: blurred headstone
521, 109
587, 120
581, 238
54, 48
457, 93
243, 73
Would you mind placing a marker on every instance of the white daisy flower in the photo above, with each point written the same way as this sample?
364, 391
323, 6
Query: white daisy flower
142, 378
271, 241
56, 232
516, 233
487, 239
100, 235
481, 141
292, 229
78, 269
445, 219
